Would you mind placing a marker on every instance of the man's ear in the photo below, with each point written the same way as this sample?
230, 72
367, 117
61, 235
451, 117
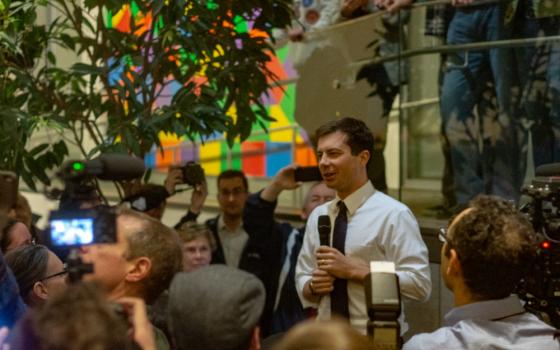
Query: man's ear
255, 339
454, 267
140, 268
40, 291
365, 155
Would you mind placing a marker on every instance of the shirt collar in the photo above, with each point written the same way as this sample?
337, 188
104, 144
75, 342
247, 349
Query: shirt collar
222, 225
485, 310
355, 199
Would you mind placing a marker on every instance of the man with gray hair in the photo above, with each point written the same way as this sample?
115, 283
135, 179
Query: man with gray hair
215, 307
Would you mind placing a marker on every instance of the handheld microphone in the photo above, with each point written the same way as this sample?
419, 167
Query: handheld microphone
324, 228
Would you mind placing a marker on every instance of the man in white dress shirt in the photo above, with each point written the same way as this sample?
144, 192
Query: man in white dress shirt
366, 225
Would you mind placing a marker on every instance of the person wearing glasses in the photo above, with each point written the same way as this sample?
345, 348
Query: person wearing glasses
487, 249
39, 273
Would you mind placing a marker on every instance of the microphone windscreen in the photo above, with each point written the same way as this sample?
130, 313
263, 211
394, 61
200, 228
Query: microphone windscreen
119, 167
324, 228
552, 169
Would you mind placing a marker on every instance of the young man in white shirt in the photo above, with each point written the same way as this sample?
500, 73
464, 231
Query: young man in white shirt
369, 226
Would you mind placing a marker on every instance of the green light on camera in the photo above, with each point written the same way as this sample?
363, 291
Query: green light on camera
78, 166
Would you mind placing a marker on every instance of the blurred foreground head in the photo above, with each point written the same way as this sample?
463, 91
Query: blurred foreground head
79, 318
215, 307
324, 335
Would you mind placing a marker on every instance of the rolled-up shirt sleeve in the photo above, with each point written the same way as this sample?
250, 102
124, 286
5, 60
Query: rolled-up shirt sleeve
405, 247
306, 262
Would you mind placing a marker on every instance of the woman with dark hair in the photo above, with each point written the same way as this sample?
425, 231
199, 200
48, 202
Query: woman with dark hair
13, 234
40, 274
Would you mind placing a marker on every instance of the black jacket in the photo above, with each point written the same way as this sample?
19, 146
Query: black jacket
270, 238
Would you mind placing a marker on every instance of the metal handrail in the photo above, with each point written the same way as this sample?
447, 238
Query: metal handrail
458, 48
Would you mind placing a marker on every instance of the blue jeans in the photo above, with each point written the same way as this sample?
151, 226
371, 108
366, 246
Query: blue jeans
483, 153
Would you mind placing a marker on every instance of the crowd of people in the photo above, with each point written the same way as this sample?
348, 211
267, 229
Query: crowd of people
499, 106
244, 280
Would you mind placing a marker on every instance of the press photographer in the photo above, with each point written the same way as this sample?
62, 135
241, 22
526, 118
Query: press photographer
151, 199
127, 253
487, 249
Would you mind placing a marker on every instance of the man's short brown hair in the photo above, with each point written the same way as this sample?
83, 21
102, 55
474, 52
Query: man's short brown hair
232, 174
358, 136
495, 244
161, 245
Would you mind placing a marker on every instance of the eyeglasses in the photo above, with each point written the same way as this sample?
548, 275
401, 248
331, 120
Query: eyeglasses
61, 273
442, 235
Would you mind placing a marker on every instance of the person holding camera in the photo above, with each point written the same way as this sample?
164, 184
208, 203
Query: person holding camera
280, 244
151, 199
232, 241
486, 251
367, 225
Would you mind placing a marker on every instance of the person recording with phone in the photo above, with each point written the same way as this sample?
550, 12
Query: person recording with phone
281, 244
180, 175
366, 225
487, 249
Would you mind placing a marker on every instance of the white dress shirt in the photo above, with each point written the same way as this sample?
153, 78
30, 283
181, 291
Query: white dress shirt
379, 229
233, 242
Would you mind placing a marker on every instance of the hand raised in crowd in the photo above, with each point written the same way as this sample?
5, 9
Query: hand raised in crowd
142, 329
198, 197
393, 5
283, 180
339, 265
174, 177
321, 282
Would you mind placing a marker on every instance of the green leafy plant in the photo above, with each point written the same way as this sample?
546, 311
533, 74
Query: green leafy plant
115, 95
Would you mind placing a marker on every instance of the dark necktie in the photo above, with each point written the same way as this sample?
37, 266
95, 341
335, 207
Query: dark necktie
339, 295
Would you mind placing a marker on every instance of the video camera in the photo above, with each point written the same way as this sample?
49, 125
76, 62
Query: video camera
541, 287
82, 219
383, 302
